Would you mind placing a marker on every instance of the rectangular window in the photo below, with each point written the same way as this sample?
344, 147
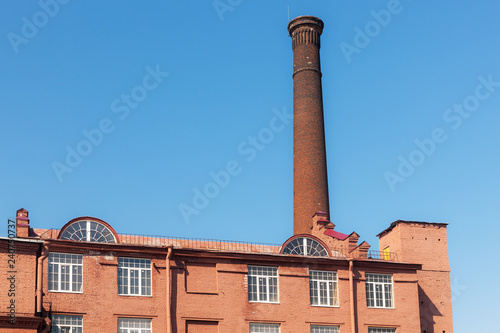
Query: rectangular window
65, 272
134, 277
134, 325
324, 329
323, 288
263, 284
379, 290
67, 324
264, 328
381, 330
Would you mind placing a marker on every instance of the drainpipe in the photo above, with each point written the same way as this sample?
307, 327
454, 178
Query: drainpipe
39, 278
169, 293
48, 326
351, 295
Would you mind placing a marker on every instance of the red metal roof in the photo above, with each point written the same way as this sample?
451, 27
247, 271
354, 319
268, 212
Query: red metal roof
336, 234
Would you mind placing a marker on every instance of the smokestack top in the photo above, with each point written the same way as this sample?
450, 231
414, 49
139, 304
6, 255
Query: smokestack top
308, 21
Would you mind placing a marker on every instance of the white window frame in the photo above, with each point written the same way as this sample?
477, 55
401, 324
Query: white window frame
265, 278
135, 325
381, 330
264, 328
61, 321
301, 247
55, 268
88, 231
316, 281
382, 285
325, 329
126, 268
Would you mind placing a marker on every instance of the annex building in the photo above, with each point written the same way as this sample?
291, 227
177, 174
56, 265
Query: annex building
87, 277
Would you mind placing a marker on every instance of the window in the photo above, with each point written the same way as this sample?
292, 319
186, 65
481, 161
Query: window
134, 325
305, 246
324, 329
134, 277
379, 290
88, 231
67, 324
264, 328
65, 272
323, 288
263, 284
381, 330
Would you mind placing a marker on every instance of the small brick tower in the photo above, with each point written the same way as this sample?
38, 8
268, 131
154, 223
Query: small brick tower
427, 244
310, 182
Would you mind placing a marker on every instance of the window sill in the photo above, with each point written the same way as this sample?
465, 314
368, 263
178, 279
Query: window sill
129, 295
66, 291
264, 302
325, 306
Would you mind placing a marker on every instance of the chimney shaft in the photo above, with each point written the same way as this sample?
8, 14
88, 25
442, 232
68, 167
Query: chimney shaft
310, 182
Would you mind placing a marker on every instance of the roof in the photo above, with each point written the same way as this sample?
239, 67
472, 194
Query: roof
336, 234
395, 223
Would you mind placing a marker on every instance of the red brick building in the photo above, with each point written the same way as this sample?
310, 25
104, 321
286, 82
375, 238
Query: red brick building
86, 277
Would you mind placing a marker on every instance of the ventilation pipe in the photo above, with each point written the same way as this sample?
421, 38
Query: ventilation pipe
169, 292
39, 277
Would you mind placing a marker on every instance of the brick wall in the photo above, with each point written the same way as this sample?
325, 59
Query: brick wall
426, 243
23, 290
99, 304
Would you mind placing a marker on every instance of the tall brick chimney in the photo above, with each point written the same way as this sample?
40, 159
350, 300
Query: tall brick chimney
310, 182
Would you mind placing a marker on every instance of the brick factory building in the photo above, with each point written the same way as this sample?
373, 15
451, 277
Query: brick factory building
86, 277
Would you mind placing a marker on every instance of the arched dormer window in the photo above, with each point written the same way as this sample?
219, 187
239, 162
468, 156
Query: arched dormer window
88, 230
304, 246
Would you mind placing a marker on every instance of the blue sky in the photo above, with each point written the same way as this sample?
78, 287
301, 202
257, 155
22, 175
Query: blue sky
171, 92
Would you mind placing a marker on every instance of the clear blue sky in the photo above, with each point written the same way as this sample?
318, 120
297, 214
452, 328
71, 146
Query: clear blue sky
229, 73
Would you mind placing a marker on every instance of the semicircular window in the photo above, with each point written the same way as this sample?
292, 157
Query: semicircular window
88, 231
305, 246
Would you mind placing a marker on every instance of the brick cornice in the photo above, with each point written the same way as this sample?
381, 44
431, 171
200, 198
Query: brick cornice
305, 36
26, 322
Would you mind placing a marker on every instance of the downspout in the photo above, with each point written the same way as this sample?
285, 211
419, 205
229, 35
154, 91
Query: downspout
351, 295
39, 278
48, 326
169, 293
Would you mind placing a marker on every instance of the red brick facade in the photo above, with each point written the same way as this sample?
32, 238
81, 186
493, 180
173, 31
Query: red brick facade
207, 284
89, 278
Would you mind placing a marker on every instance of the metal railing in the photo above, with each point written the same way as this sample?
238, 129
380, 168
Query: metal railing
381, 255
199, 243
48, 234
219, 245
183, 242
